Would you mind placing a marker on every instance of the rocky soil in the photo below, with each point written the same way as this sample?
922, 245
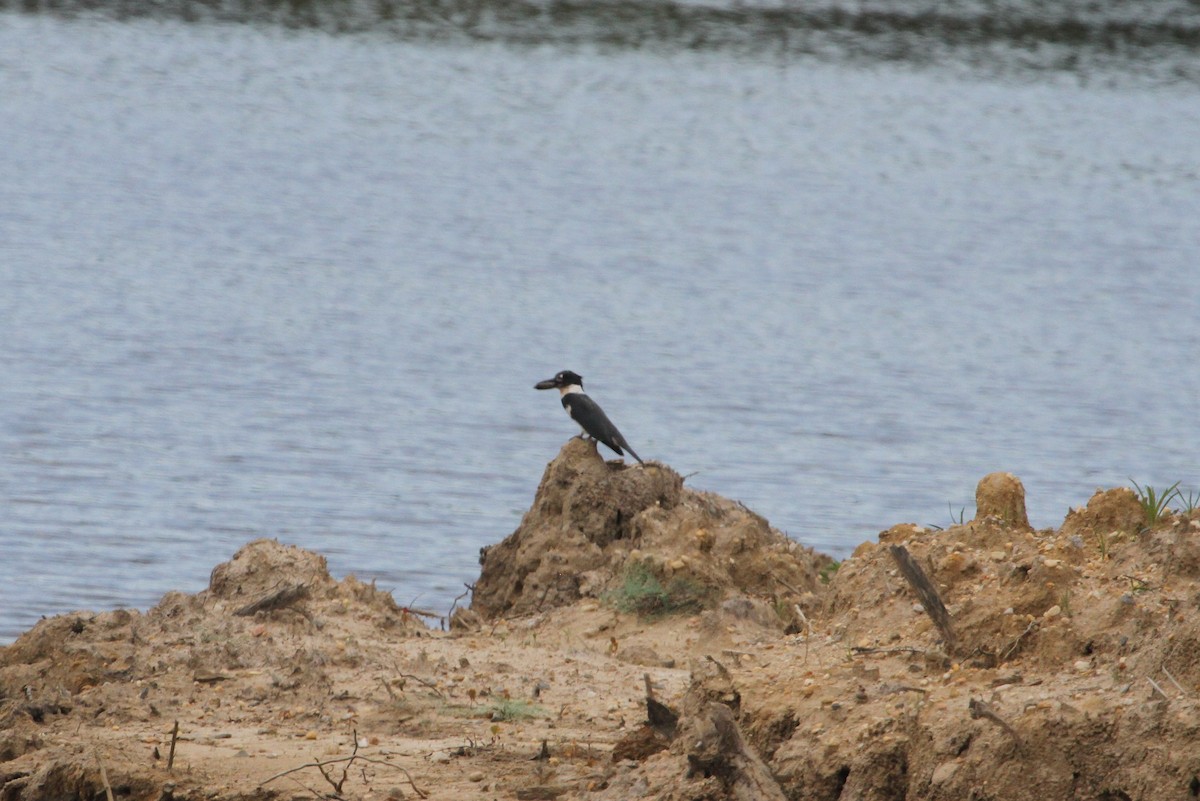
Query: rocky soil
635, 639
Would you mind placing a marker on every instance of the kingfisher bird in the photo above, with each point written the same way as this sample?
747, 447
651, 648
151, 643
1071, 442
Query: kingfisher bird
586, 412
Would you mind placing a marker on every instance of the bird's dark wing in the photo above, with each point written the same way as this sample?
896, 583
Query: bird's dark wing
595, 422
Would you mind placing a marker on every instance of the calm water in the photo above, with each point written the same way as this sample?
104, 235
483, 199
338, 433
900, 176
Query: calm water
271, 281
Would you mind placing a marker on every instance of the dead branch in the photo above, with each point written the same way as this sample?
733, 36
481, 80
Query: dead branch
337, 786
412, 610
348, 760
108, 791
388, 687
454, 604
425, 682
899, 649
903, 688
1015, 644
174, 740
785, 585
930, 599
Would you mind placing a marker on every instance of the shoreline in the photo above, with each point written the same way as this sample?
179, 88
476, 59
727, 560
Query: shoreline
637, 639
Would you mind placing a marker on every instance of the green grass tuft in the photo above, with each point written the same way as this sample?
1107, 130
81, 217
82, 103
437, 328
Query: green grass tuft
1155, 503
1190, 502
644, 594
826, 573
514, 709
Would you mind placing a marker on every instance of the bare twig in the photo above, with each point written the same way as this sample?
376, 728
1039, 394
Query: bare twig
1137, 584
1015, 644
388, 688
930, 600
174, 739
1178, 686
784, 584
454, 604
899, 649
337, 786
348, 759
412, 610
424, 682
1157, 687
904, 688
108, 793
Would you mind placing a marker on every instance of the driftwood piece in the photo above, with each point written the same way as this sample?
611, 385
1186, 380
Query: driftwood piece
276, 600
713, 742
659, 716
654, 735
716, 748
930, 599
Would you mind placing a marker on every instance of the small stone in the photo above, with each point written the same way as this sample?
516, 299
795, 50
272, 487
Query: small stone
1052, 563
1052, 612
475, 777
943, 773
1083, 666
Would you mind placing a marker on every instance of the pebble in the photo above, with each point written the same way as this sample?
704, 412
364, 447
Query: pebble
1052, 612
1051, 563
1083, 666
943, 773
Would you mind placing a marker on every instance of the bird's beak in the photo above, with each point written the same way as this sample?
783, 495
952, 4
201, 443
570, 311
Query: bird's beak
549, 383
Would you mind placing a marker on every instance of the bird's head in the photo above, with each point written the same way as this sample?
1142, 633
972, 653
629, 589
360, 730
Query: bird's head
564, 379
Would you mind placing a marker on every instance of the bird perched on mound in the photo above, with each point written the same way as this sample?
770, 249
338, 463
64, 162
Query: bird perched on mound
586, 412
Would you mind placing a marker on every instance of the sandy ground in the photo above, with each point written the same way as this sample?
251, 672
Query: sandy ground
1067, 665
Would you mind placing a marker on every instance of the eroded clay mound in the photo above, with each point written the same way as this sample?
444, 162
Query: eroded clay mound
258, 616
592, 522
1072, 673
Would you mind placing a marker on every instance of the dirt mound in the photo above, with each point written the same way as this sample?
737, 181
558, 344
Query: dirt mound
594, 524
126, 667
1071, 658
202, 635
1072, 673
1063, 664
1109, 513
